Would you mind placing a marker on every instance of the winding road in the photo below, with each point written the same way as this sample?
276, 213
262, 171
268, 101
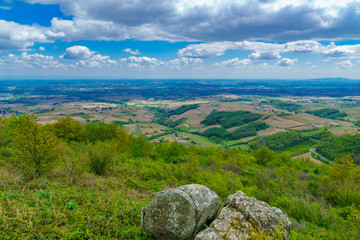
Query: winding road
313, 150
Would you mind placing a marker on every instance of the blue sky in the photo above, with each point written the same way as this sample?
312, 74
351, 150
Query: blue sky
291, 39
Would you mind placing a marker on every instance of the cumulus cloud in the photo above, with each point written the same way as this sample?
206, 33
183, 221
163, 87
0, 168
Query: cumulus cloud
286, 62
265, 55
303, 46
207, 50
41, 48
344, 64
140, 62
96, 61
179, 62
235, 62
77, 52
17, 36
30, 61
270, 51
333, 51
185, 61
129, 50
228, 20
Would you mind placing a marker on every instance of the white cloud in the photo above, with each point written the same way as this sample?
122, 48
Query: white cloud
235, 62
303, 46
140, 62
41, 48
334, 51
207, 50
185, 61
77, 52
179, 62
265, 55
17, 36
211, 20
129, 50
30, 61
286, 62
263, 66
96, 61
5, 7
307, 63
269, 51
344, 64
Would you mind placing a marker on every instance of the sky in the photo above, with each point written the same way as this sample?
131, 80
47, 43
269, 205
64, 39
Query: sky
131, 39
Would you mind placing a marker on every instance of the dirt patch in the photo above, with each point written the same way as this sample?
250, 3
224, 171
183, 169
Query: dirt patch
346, 124
282, 122
341, 132
187, 114
270, 131
195, 121
307, 156
206, 128
306, 118
301, 128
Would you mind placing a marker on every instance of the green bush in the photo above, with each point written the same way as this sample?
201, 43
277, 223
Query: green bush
100, 158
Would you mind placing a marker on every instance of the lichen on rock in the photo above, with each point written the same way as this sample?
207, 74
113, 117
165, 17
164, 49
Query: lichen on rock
244, 217
180, 213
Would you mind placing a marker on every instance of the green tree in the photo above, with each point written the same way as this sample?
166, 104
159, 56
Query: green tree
342, 183
100, 131
73, 161
68, 129
263, 155
4, 136
37, 149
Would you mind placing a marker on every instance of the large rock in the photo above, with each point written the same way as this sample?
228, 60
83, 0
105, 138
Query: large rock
180, 213
243, 218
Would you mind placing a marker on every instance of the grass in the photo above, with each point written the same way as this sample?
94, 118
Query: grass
311, 133
82, 115
243, 147
94, 209
300, 148
355, 116
235, 142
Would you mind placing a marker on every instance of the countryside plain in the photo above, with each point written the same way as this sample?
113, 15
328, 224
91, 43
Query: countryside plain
175, 110
80, 159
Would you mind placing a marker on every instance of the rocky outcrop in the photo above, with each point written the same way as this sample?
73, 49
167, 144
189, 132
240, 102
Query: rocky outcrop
244, 217
180, 213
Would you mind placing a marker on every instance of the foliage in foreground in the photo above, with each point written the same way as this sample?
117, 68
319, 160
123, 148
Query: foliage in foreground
113, 178
338, 146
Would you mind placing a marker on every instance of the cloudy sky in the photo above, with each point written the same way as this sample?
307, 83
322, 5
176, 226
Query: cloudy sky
291, 39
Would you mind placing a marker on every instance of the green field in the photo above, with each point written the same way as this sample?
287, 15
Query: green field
82, 115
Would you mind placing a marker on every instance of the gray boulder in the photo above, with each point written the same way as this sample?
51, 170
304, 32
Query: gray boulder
244, 217
180, 213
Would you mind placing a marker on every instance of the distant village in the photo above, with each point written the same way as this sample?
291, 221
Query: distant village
263, 108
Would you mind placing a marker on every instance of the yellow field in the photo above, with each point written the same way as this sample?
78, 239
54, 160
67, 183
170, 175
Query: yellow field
282, 122
306, 118
270, 131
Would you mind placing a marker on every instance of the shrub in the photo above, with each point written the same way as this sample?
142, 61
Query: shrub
37, 149
101, 158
